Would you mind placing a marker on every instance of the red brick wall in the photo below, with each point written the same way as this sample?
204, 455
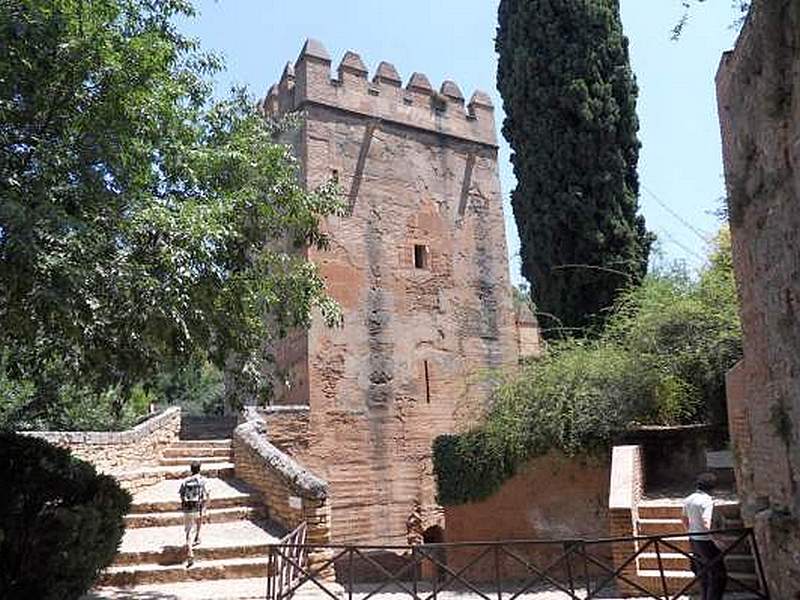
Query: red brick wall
552, 497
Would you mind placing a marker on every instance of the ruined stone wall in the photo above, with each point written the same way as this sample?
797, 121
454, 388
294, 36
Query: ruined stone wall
758, 87
115, 452
419, 267
551, 496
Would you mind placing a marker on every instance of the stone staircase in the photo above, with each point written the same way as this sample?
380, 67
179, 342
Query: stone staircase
234, 535
662, 516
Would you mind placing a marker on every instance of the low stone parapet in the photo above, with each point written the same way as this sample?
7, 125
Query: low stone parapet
115, 452
290, 492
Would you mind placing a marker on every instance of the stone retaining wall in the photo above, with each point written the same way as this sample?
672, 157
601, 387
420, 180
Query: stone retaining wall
551, 497
291, 493
115, 452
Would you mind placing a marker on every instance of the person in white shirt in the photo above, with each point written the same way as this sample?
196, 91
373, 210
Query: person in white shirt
698, 513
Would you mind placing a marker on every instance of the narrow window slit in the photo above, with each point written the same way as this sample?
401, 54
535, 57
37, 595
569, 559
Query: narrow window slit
427, 383
420, 256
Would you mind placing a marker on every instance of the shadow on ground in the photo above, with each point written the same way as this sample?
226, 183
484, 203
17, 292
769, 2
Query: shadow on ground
125, 594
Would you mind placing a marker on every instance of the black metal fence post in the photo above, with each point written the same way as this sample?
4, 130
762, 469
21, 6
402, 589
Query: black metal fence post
351, 575
762, 579
270, 572
568, 553
661, 572
586, 581
414, 571
497, 578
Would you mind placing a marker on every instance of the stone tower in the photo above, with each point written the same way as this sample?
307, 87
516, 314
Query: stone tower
419, 267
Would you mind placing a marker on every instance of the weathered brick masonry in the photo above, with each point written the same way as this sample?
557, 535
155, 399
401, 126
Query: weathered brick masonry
758, 91
419, 267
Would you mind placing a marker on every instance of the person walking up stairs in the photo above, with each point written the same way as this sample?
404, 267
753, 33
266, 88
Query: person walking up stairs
194, 495
235, 533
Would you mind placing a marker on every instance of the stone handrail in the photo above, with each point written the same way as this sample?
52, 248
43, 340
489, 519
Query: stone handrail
291, 493
625, 490
627, 478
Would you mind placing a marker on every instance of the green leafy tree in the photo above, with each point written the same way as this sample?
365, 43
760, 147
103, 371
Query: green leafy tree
570, 102
140, 220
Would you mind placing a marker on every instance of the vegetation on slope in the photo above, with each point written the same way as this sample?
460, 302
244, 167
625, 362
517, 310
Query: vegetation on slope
661, 360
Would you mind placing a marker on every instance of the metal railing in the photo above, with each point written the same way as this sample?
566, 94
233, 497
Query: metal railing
652, 566
289, 565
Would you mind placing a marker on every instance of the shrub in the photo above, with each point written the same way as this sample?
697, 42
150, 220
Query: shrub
60, 522
471, 466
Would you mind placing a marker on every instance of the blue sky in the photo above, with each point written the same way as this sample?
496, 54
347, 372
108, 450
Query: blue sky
680, 165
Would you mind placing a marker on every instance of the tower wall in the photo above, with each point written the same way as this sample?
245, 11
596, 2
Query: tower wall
419, 267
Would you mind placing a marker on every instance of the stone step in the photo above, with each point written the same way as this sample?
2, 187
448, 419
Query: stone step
659, 511
217, 443
676, 580
166, 545
165, 496
659, 526
672, 561
216, 469
174, 555
212, 515
229, 589
181, 451
673, 509
174, 505
229, 568
682, 543
188, 460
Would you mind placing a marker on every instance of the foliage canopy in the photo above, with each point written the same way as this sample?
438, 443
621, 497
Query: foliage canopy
570, 102
141, 222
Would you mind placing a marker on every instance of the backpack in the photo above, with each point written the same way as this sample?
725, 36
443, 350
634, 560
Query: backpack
192, 494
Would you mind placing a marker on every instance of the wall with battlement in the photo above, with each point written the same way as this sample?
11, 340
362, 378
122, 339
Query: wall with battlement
417, 105
419, 267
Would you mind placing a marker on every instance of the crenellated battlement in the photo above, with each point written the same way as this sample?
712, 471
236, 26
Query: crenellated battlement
309, 82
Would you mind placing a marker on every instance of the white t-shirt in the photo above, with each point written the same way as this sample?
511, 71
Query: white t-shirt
698, 509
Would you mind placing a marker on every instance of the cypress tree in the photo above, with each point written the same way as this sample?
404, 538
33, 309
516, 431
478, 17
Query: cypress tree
570, 102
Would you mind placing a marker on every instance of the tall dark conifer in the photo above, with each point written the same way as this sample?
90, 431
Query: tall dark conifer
570, 102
